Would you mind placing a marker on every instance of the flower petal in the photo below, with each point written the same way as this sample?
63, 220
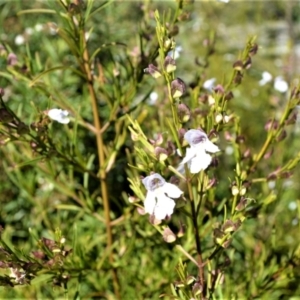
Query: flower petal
195, 136
210, 147
164, 207
200, 162
189, 154
59, 115
150, 203
172, 190
153, 182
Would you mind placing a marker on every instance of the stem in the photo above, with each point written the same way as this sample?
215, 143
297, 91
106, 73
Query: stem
196, 231
101, 157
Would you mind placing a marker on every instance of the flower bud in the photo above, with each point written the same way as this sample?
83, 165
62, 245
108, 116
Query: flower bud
161, 153
132, 199
226, 119
253, 50
168, 235
240, 139
178, 88
238, 65
169, 64
74, 9
153, 71
292, 119
271, 124
181, 133
171, 148
281, 136
228, 226
229, 95
169, 44
184, 113
234, 190
238, 78
211, 100
243, 191
197, 289
218, 118
242, 204
12, 59
181, 231
219, 89
247, 63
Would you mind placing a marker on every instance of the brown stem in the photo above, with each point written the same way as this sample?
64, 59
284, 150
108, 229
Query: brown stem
196, 232
101, 157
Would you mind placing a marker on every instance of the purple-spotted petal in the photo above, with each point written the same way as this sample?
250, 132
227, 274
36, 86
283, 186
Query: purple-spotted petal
153, 182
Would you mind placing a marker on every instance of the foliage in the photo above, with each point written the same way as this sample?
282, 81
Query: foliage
72, 216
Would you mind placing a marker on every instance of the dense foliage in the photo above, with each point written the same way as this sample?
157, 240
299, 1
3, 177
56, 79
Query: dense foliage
156, 104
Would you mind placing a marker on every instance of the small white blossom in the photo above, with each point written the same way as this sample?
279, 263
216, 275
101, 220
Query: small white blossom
19, 40
152, 98
280, 85
196, 156
175, 53
39, 27
59, 115
266, 77
209, 84
159, 200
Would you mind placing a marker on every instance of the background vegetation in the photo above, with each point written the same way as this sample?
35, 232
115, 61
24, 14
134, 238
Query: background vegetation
71, 221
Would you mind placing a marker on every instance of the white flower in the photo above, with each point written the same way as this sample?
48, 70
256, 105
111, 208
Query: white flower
158, 201
280, 85
152, 98
19, 40
175, 53
209, 84
196, 156
59, 115
266, 77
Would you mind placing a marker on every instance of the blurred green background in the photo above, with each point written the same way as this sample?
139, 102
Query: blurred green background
37, 197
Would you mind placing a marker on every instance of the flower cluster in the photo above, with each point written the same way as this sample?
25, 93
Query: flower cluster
160, 194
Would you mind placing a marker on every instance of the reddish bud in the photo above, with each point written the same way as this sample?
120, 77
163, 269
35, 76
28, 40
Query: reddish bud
169, 64
281, 136
253, 50
153, 71
184, 113
247, 63
229, 95
12, 59
238, 65
178, 88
